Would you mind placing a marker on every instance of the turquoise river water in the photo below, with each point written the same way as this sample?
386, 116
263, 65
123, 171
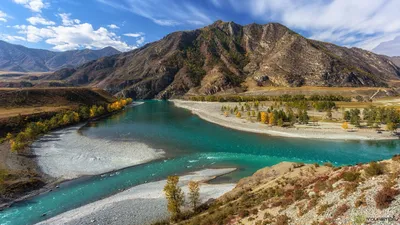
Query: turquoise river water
190, 144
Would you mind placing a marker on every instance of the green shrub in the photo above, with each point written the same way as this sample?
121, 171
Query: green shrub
351, 176
374, 169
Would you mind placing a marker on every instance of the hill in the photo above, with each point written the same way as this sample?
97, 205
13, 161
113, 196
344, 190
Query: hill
295, 193
396, 60
23, 59
224, 57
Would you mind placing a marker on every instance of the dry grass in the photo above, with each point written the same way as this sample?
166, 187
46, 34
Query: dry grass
11, 112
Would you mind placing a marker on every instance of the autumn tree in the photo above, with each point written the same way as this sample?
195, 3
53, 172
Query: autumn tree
345, 125
264, 117
238, 115
194, 194
271, 119
174, 195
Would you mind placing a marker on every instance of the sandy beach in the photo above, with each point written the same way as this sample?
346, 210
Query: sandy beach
211, 112
142, 204
66, 154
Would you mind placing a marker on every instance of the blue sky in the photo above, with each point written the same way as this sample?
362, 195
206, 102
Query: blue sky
127, 24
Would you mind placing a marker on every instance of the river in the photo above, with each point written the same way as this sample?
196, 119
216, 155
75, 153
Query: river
190, 144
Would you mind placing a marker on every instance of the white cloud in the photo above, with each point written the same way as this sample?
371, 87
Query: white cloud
140, 40
66, 21
74, 37
135, 35
113, 26
11, 38
39, 20
346, 22
3, 16
33, 5
164, 13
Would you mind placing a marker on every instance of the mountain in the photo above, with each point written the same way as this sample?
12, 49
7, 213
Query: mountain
224, 56
396, 60
23, 59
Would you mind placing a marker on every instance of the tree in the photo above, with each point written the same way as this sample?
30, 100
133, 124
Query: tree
345, 125
391, 126
259, 116
329, 114
280, 122
194, 194
264, 117
93, 111
238, 115
174, 195
271, 119
355, 117
346, 115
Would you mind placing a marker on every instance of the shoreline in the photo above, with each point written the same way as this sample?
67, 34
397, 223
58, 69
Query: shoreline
144, 203
50, 182
210, 111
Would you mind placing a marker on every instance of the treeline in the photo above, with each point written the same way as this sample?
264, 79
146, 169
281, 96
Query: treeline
274, 116
34, 129
374, 116
283, 98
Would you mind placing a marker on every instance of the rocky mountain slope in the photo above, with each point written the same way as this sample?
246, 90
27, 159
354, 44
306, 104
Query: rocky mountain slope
396, 60
294, 193
23, 59
223, 56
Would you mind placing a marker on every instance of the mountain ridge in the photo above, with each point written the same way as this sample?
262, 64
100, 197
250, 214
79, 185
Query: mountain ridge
22, 59
226, 56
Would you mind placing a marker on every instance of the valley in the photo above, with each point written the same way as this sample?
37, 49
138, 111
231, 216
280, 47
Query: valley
272, 126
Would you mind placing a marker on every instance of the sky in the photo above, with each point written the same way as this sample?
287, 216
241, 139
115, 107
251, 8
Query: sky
61, 25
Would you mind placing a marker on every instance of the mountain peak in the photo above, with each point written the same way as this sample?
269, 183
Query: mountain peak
20, 58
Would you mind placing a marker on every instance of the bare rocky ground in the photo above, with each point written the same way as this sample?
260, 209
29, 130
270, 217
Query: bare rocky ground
293, 193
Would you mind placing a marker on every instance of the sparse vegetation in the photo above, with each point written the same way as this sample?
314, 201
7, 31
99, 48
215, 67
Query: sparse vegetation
374, 169
385, 196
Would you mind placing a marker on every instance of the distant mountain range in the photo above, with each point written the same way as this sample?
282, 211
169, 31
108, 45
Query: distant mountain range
224, 56
23, 59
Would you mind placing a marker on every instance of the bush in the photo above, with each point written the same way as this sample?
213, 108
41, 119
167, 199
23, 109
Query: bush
348, 189
360, 201
385, 196
350, 176
244, 213
282, 220
328, 164
374, 169
340, 210
322, 209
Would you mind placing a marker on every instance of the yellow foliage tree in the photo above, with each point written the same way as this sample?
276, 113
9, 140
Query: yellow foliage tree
174, 195
194, 194
271, 119
345, 125
238, 115
264, 117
